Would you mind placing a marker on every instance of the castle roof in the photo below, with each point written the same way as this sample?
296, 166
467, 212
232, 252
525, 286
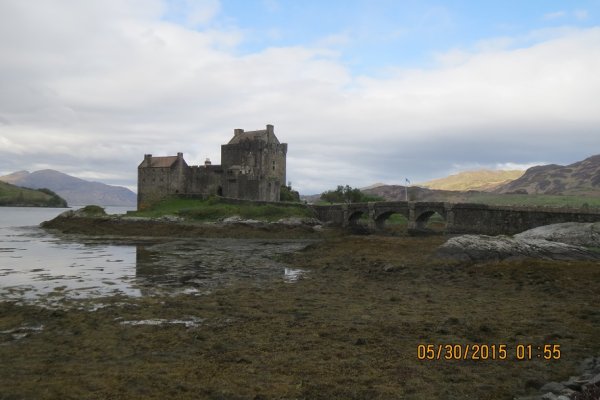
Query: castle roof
159, 162
265, 135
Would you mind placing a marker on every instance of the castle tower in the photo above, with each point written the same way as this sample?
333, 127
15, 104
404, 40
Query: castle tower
254, 165
160, 177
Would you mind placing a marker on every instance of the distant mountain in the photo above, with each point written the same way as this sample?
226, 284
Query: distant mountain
417, 193
398, 193
15, 177
11, 195
580, 178
373, 186
482, 180
76, 191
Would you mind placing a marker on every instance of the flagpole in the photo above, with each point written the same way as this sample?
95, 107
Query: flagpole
406, 183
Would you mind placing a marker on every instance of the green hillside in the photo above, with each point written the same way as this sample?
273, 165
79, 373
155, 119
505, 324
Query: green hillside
16, 196
473, 180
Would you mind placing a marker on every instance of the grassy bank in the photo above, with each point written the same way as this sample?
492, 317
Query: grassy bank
213, 209
349, 330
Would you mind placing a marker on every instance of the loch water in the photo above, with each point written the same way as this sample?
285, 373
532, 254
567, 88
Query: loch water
46, 268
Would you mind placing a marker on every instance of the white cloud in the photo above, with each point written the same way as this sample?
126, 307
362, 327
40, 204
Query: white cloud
202, 11
271, 5
581, 14
510, 166
554, 15
95, 87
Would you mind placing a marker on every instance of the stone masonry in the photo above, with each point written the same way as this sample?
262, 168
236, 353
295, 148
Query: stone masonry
460, 218
253, 167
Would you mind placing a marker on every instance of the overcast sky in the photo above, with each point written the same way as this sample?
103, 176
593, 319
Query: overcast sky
362, 91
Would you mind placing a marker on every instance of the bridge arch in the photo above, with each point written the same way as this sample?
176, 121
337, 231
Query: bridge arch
355, 216
425, 217
382, 217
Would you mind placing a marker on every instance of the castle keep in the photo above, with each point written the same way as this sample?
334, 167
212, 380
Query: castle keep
252, 168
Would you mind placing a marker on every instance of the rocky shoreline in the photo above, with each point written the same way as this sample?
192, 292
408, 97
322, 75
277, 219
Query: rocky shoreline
562, 242
99, 224
585, 386
363, 299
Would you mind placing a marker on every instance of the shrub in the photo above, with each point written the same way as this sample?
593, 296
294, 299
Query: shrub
286, 193
347, 194
93, 210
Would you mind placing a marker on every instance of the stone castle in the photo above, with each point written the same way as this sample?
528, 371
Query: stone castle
252, 168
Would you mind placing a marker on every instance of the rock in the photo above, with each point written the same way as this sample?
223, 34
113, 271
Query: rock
296, 221
549, 396
594, 381
573, 383
574, 233
170, 218
586, 383
553, 387
87, 211
482, 247
393, 268
66, 214
236, 219
591, 364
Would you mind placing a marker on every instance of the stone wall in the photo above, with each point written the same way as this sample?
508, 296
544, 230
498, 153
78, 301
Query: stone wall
460, 218
205, 180
156, 183
495, 220
255, 169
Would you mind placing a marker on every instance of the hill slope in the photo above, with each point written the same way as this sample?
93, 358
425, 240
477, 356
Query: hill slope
580, 178
11, 195
474, 180
76, 191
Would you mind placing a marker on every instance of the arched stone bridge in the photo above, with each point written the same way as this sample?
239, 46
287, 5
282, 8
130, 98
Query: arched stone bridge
460, 217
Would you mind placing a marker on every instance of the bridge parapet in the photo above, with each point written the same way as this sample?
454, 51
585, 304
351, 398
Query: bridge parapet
460, 217
509, 220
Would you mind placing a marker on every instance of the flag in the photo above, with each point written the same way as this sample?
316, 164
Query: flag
407, 181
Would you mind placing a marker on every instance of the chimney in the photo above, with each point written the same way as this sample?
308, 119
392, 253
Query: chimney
180, 156
148, 158
237, 132
270, 129
207, 162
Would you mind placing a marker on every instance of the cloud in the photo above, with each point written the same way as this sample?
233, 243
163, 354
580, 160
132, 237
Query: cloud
200, 12
509, 166
93, 88
581, 14
271, 5
578, 14
554, 15
192, 13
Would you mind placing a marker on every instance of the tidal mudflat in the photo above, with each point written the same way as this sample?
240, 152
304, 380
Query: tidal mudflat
343, 318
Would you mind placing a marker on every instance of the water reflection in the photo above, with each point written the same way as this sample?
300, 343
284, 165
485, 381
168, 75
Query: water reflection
34, 264
197, 266
39, 267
